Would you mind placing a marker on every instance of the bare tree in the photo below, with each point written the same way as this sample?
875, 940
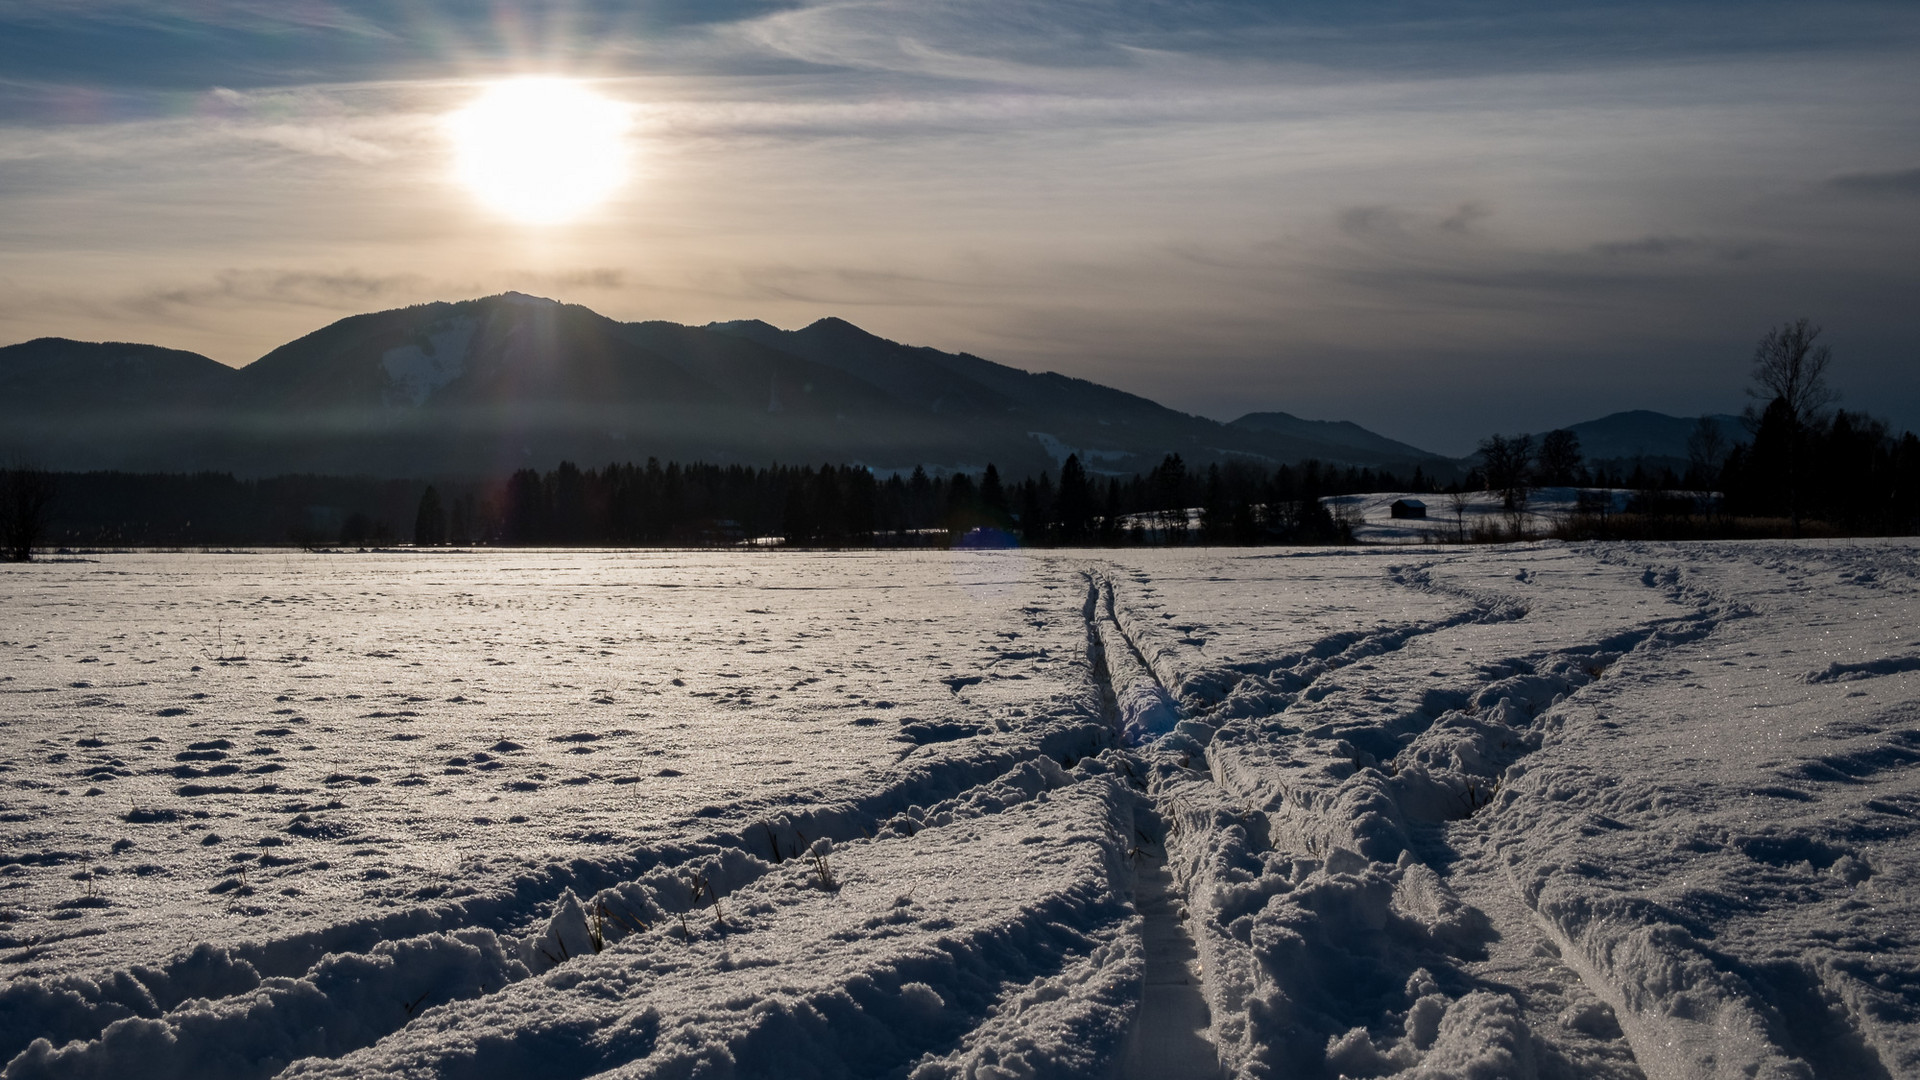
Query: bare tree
1559, 456
26, 497
1789, 367
1506, 462
1457, 501
1706, 449
1789, 376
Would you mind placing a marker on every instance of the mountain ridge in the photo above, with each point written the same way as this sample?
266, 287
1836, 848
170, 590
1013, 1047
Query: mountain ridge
1337, 432
472, 387
1643, 436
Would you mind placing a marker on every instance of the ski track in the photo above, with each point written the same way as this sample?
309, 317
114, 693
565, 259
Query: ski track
1168, 1041
1545, 989
1349, 846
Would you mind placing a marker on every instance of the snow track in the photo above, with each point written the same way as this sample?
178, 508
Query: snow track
852, 998
1539, 811
1168, 1040
1169, 1037
1348, 840
256, 1007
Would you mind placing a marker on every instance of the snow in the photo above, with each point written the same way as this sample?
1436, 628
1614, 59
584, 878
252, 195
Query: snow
1535, 810
414, 372
1451, 517
1060, 451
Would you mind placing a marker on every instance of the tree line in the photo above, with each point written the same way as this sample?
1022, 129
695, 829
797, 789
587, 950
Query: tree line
1803, 468
693, 504
670, 503
1844, 469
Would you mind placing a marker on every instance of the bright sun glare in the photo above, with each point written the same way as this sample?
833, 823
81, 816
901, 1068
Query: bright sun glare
540, 150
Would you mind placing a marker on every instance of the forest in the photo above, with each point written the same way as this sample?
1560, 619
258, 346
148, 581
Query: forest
1840, 474
702, 504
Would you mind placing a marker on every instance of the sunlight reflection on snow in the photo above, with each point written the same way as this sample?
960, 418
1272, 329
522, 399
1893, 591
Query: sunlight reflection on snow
989, 577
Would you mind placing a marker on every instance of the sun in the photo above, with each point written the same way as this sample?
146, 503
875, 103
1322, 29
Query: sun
540, 150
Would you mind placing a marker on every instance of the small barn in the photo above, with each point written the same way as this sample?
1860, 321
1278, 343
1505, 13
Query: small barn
1408, 508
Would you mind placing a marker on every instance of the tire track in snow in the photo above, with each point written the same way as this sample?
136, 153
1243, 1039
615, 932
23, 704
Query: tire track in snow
1633, 957
1735, 1030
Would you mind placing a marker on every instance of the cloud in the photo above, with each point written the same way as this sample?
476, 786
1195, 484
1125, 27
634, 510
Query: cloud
352, 291
1004, 40
830, 287
320, 141
1668, 245
1373, 221
1399, 223
590, 277
346, 291
1894, 182
151, 45
303, 288
155, 46
1465, 217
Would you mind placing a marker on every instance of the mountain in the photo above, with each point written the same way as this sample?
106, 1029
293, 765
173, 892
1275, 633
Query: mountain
1342, 433
1112, 431
1652, 438
110, 376
92, 405
480, 387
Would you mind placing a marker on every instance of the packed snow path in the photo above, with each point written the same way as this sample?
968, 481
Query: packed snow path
1169, 1039
1609, 811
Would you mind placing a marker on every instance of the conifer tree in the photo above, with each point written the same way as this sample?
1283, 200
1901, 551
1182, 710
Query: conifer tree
430, 520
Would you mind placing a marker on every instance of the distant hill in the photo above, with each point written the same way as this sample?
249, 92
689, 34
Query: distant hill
1342, 433
1641, 435
110, 376
480, 387
97, 405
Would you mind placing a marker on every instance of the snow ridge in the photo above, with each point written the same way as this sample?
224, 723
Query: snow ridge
1304, 832
680, 998
228, 996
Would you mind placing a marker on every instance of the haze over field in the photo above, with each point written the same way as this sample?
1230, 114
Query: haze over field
1433, 222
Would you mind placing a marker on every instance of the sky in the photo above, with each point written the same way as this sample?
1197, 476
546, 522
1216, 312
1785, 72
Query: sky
1436, 220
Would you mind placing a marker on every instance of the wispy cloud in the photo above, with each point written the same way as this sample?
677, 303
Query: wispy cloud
1892, 182
1670, 246
352, 291
321, 141
1013, 39
152, 46
303, 288
1465, 217
216, 301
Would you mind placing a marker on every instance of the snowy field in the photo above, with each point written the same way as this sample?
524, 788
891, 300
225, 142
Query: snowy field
1540, 810
1449, 520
